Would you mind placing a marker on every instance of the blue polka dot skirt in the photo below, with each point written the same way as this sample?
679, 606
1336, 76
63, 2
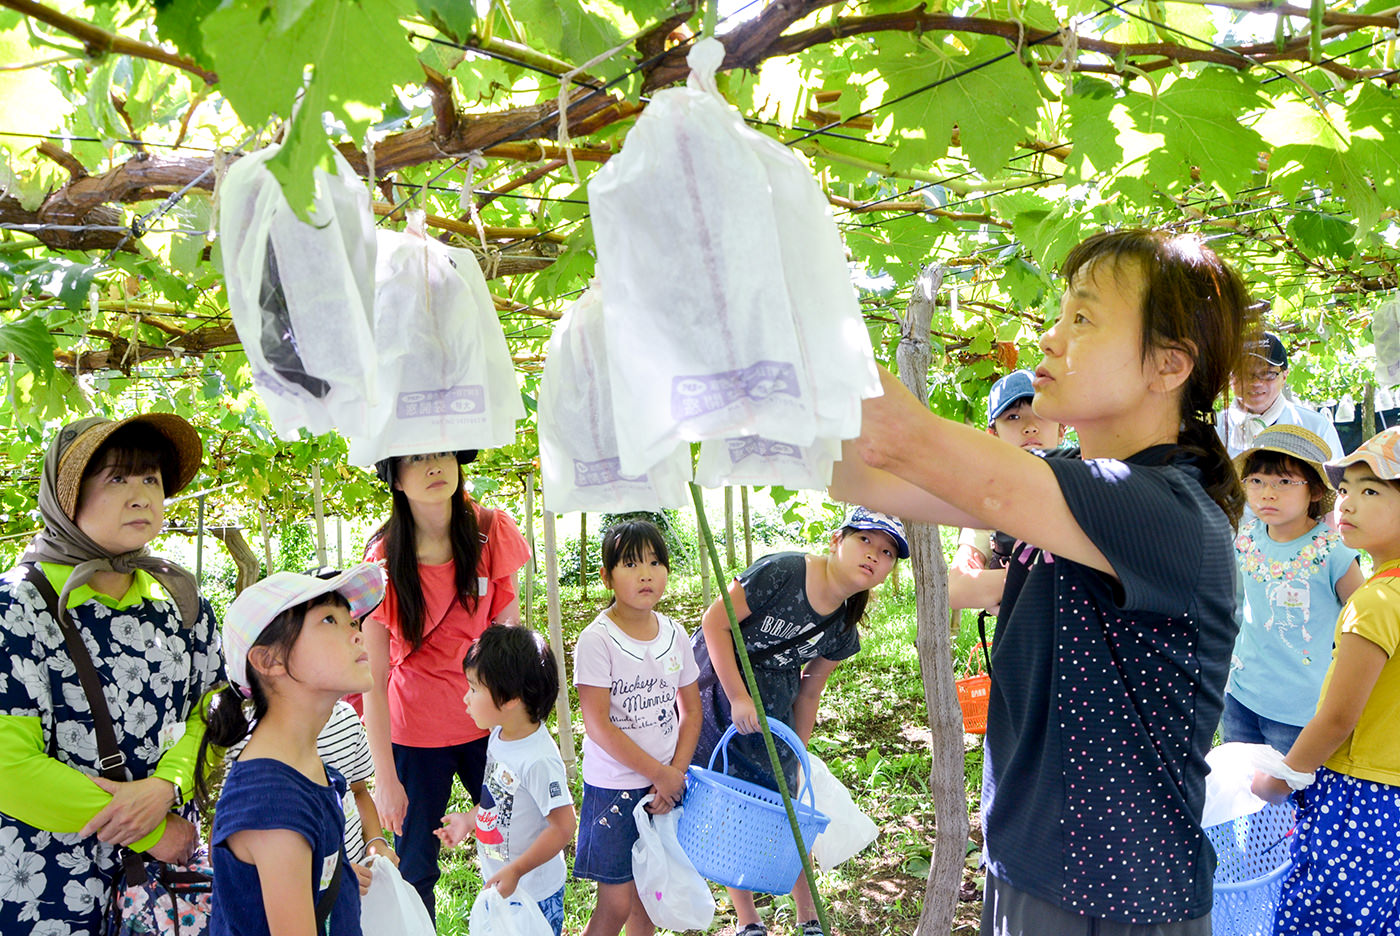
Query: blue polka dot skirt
1345, 879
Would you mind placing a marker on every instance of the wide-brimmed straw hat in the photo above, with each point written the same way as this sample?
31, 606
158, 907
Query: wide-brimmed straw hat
80, 440
1296, 442
1381, 452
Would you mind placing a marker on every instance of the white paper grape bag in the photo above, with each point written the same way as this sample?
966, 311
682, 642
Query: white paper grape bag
756, 460
447, 380
578, 440
725, 283
302, 295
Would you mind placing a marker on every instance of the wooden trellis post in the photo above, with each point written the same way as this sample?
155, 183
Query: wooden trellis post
704, 566
266, 537
582, 555
748, 527
556, 641
317, 508
199, 546
929, 574
729, 556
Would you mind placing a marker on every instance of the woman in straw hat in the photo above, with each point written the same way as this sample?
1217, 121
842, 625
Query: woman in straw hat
70, 818
1297, 574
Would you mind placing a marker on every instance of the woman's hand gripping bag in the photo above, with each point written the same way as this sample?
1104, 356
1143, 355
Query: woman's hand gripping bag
700, 324
516, 915
392, 905
850, 830
447, 380
674, 894
578, 437
302, 294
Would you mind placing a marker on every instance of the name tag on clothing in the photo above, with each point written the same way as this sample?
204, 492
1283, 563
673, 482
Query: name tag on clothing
328, 870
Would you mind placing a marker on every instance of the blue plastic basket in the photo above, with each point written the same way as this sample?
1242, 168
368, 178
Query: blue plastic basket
736, 833
1252, 855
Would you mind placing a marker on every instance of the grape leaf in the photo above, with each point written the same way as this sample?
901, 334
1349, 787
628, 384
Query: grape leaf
356, 50
1203, 120
29, 340
965, 84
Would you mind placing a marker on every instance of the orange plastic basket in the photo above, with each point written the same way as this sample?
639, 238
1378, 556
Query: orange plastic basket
973, 692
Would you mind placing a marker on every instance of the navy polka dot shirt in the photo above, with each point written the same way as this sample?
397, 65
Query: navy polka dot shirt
1106, 694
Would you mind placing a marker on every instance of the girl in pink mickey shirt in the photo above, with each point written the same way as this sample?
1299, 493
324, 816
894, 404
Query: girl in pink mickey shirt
636, 678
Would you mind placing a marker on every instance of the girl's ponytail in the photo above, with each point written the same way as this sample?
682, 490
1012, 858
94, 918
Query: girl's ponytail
226, 723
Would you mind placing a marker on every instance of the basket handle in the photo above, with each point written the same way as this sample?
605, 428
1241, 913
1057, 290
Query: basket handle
972, 660
783, 733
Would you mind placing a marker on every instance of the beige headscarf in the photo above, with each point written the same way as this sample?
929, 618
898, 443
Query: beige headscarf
63, 543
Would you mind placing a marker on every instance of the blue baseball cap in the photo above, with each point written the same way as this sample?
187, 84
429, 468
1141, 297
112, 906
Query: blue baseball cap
862, 518
1009, 390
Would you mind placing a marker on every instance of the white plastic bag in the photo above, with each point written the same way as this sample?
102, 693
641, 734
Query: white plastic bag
1385, 327
731, 312
392, 905
850, 830
674, 894
447, 381
578, 438
756, 460
1228, 795
516, 915
302, 295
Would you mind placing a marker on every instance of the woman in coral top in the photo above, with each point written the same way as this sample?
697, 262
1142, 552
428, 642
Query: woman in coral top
451, 566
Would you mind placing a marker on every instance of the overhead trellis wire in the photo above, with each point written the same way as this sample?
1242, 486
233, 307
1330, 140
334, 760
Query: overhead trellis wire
64, 138
961, 73
592, 93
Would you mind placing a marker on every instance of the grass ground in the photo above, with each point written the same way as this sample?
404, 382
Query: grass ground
872, 733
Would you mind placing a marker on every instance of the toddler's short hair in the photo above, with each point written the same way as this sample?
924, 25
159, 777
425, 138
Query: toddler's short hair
514, 662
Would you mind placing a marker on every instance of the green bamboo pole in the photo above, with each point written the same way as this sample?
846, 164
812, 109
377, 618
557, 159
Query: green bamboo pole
752, 683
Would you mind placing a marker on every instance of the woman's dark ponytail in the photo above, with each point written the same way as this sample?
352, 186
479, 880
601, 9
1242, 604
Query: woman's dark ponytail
1222, 484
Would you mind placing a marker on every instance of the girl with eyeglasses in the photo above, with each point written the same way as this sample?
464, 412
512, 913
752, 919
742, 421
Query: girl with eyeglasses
451, 566
1296, 573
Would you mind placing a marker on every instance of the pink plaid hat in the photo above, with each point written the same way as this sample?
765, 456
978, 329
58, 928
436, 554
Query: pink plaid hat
256, 606
1381, 452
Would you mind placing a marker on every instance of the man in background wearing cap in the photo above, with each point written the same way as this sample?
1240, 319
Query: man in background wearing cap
1259, 401
977, 577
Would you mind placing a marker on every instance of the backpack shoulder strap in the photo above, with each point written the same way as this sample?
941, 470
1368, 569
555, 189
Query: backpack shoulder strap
487, 519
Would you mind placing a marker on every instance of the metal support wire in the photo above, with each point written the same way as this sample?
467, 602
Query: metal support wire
593, 92
743, 656
961, 73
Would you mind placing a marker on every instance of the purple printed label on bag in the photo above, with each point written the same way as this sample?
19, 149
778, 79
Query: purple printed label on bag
744, 446
454, 401
697, 395
603, 471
